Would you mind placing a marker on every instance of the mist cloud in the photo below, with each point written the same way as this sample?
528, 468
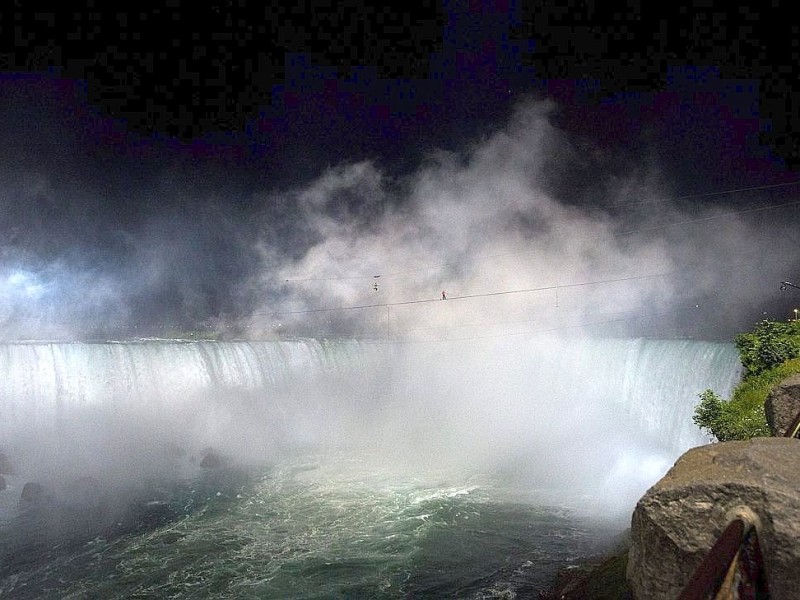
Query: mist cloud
489, 221
108, 246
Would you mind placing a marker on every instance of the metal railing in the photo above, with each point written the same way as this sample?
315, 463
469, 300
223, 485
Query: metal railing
732, 569
794, 428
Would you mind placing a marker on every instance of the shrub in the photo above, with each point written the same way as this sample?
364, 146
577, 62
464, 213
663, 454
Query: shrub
769, 354
734, 420
770, 343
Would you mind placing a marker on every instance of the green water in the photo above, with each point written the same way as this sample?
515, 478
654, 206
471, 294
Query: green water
304, 527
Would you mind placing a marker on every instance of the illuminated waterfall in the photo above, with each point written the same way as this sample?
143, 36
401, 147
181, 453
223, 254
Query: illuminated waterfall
543, 404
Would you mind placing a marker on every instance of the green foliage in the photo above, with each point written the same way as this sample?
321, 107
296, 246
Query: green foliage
709, 414
770, 343
734, 420
755, 389
769, 354
605, 580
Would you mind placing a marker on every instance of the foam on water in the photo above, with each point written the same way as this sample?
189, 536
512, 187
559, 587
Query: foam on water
345, 529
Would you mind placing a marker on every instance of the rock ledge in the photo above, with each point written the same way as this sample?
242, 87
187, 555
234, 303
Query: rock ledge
680, 518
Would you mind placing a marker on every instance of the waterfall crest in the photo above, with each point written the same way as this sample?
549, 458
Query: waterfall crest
543, 405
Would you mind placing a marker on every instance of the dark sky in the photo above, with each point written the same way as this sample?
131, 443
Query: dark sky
173, 168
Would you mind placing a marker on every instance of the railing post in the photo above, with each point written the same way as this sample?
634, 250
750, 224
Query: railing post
734, 560
794, 428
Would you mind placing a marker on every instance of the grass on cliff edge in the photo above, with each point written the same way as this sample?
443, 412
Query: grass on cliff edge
597, 578
599, 581
770, 352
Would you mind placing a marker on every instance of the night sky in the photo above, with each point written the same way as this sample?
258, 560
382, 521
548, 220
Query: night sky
620, 170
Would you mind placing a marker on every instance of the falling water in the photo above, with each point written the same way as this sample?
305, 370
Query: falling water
350, 466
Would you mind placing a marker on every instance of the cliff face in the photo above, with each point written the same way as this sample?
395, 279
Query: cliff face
680, 518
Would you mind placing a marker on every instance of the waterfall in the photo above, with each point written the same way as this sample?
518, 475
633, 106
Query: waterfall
542, 405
